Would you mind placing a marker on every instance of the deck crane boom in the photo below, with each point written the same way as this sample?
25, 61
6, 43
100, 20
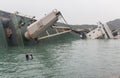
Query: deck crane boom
38, 27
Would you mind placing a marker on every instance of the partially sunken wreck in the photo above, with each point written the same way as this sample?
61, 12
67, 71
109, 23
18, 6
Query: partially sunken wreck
18, 30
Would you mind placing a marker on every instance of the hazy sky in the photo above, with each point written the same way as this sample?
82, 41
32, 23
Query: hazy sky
74, 11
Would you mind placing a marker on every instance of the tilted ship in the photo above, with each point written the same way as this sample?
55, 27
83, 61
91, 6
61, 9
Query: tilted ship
18, 30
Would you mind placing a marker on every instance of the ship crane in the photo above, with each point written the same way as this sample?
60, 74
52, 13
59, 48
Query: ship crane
37, 28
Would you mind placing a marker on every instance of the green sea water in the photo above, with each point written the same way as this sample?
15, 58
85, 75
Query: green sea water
62, 59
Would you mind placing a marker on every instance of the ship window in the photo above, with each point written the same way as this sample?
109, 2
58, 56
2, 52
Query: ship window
89, 35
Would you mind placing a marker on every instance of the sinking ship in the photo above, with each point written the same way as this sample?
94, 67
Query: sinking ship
17, 29
103, 32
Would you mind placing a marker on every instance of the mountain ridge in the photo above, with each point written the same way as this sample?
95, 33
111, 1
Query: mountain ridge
114, 25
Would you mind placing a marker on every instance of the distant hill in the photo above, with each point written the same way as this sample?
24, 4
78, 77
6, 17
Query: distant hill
115, 24
85, 26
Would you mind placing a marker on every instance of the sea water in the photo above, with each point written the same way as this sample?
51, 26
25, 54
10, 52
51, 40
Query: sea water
62, 59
